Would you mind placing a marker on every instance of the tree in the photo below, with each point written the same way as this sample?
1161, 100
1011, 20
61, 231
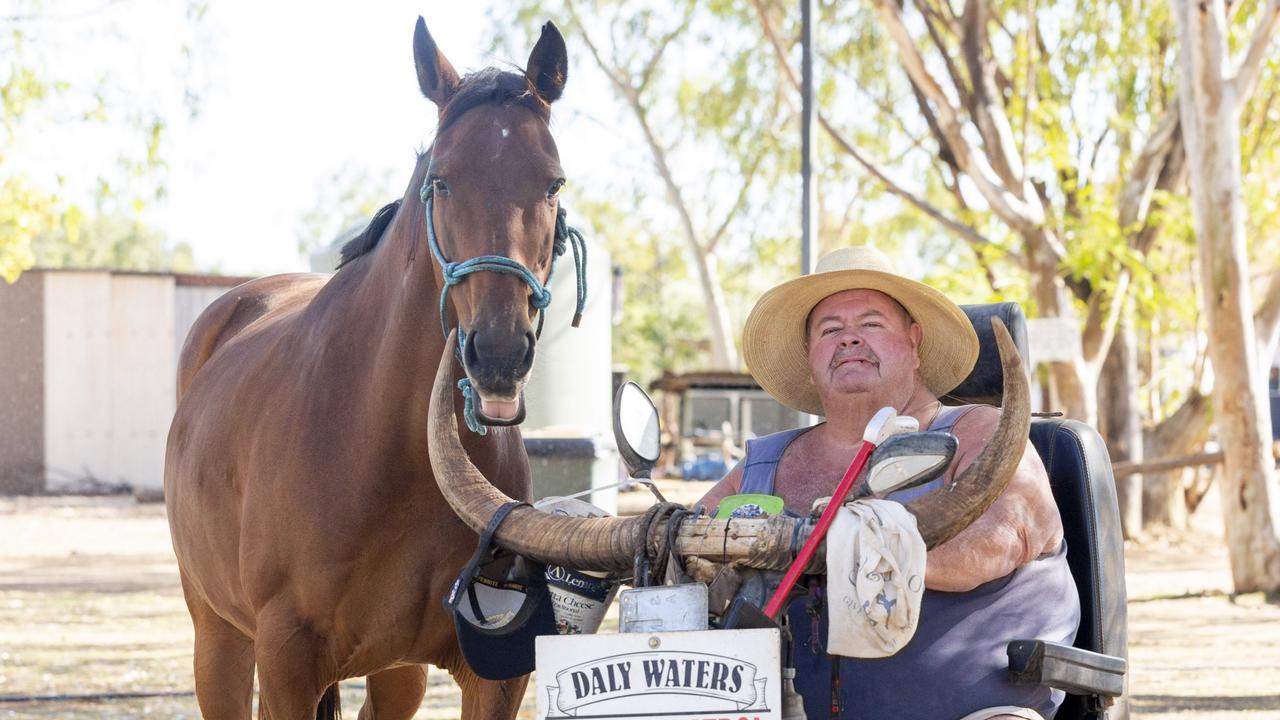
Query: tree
46, 219
1053, 152
346, 201
24, 210
995, 120
703, 124
108, 240
1210, 99
659, 322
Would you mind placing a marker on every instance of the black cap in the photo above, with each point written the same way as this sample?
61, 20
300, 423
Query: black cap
497, 619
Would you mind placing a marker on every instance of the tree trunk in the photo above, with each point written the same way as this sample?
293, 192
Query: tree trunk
1163, 496
1210, 121
1074, 385
724, 354
1120, 423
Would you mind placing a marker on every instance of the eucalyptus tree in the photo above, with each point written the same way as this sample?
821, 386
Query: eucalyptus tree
92, 213
1044, 136
1037, 178
24, 208
694, 133
1211, 95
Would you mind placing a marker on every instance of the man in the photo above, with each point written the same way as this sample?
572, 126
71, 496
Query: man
842, 343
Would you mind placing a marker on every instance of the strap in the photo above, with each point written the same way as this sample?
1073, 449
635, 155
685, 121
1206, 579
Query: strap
475, 604
539, 294
483, 550
949, 415
945, 421
676, 574
761, 461
760, 465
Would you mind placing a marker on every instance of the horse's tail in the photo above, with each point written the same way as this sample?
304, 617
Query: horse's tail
330, 707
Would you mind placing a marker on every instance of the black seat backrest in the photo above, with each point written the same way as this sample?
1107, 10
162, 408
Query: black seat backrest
984, 385
1080, 474
1079, 470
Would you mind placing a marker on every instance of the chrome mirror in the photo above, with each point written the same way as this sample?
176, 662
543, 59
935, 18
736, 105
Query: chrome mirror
636, 430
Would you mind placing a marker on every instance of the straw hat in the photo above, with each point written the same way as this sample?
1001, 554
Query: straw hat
774, 336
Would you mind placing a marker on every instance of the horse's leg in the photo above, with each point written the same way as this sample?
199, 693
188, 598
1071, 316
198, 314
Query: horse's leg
488, 699
291, 672
395, 694
223, 664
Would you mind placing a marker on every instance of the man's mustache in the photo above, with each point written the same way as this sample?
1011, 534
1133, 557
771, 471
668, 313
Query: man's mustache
863, 354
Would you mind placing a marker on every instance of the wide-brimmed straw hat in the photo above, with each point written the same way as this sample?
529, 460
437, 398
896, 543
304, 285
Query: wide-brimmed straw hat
774, 336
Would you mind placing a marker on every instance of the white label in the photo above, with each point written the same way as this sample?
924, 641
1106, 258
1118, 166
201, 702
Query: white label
1052, 339
579, 600
702, 675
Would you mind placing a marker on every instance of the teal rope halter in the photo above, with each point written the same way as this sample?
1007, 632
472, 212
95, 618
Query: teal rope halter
539, 296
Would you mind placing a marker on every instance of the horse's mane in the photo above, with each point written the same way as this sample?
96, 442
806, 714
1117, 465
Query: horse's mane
490, 86
365, 241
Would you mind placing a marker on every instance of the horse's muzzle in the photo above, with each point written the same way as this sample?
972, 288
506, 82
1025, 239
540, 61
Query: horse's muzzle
498, 363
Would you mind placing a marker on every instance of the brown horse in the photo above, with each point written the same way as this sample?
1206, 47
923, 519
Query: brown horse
312, 539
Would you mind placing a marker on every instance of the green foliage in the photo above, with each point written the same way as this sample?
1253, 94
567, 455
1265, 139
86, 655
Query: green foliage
710, 100
39, 222
345, 202
660, 325
102, 240
24, 212
1083, 85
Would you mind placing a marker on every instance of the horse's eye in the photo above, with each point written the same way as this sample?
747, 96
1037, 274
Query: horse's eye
554, 190
440, 187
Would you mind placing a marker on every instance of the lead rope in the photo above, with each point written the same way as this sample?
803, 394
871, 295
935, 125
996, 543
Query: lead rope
539, 296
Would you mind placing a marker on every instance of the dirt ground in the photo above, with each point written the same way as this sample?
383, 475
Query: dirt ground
92, 623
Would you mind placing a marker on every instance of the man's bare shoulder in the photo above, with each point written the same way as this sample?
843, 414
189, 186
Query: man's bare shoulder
976, 419
973, 427
1021, 525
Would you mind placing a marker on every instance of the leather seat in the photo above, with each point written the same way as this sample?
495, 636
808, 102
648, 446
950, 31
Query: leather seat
1080, 474
1079, 469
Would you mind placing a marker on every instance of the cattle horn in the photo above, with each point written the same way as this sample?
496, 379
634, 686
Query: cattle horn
582, 543
941, 515
608, 544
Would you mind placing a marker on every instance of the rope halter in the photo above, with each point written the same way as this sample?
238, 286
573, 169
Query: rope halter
539, 296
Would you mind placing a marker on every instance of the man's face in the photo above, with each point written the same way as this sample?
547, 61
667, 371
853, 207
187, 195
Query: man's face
862, 341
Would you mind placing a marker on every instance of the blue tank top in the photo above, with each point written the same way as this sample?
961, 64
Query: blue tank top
956, 663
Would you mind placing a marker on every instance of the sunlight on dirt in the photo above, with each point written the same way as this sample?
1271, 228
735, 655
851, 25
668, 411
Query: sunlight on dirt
90, 605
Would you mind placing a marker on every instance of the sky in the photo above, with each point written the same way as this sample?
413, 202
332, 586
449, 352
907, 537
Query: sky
290, 94
305, 89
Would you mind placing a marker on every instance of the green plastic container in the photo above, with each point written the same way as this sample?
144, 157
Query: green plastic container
770, 505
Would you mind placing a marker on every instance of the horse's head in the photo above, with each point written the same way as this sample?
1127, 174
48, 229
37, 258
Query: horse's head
491, 194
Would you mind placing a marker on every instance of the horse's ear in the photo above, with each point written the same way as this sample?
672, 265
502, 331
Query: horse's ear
548, 67
436, 76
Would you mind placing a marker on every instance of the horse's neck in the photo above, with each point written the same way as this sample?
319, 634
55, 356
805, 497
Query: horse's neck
393, 292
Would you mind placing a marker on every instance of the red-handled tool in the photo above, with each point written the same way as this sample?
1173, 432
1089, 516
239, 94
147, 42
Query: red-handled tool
883, 425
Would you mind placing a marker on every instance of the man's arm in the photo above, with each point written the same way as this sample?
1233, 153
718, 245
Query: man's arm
727, 486
1022, 524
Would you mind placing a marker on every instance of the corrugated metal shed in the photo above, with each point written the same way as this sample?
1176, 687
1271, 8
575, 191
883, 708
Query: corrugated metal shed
87, 372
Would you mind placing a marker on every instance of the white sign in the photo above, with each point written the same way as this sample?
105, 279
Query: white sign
700, 675
1052, 339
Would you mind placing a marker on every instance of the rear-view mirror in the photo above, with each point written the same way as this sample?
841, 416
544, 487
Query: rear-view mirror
635, 428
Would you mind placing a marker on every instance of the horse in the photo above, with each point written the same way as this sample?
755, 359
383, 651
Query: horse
312, 538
